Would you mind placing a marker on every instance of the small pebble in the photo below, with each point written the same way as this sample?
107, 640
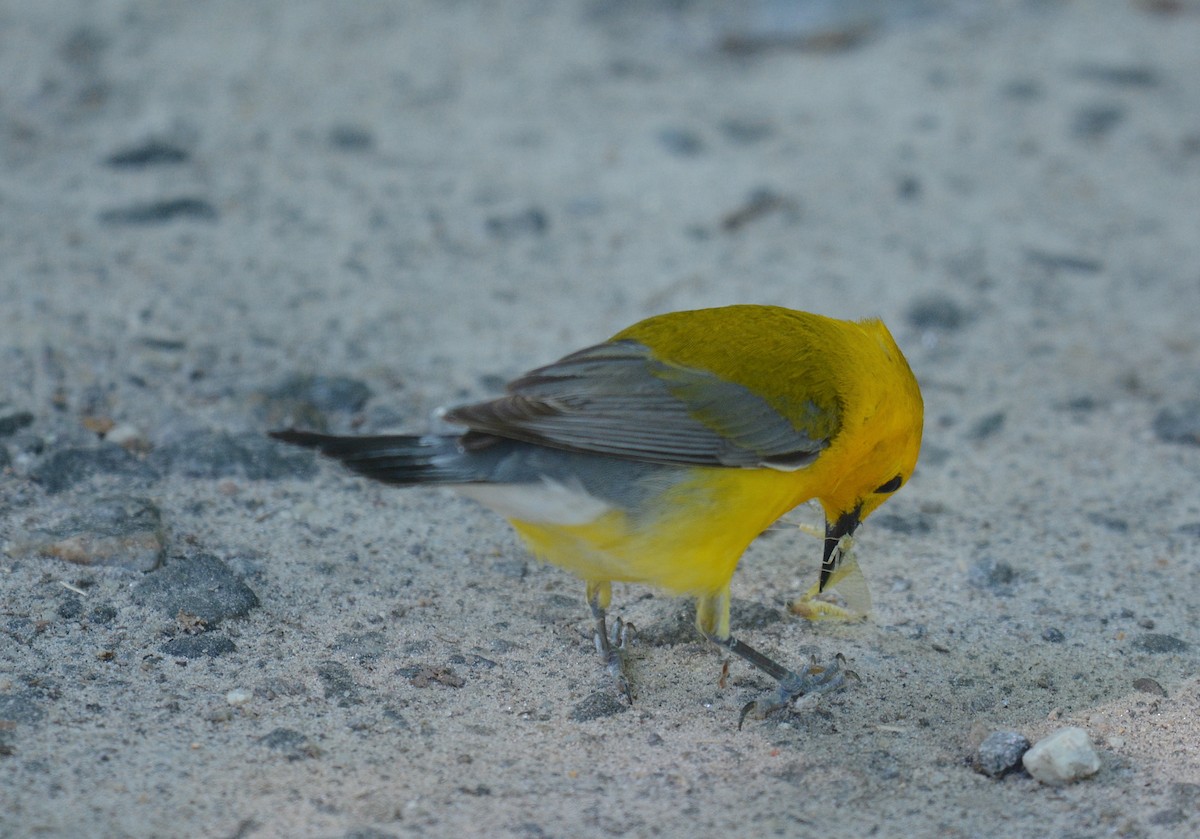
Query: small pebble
209, 644
994, 575
200, 585
598, 705
351, 138
937, 311
987, 426
1001, 752
293, 744
1146, 685
532, 221
1095, 122
681, 142
160, 212
238, 696
120, 530
152, 152
128, 437
13, 420
1066, 755
1179, 423
1157, 642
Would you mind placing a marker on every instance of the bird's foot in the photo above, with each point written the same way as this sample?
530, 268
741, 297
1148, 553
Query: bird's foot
814, 681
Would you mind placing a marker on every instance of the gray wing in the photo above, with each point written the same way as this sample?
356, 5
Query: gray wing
616, 399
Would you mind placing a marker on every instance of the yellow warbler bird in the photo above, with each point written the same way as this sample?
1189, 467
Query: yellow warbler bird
659, 455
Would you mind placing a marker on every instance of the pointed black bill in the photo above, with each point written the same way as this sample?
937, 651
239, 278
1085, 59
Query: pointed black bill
845, 524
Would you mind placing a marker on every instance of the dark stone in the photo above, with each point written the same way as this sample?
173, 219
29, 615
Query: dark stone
1001, 753
1081, 404
1147, 685
351, 138
532, 221
986, 426
119, 530
884, 764
1024, 90
916, 524
104, 613
761, 202
598, 705
1155, 642
1169, 817
992, 575
65, 468
160, 212
196, 646
12, 421
1179, 424
681, 142
1118, 76
216, 454
149, 153
339, 683
908, 188
23, 706
1095, 122
1112, 523
84, 47
1071, 263
367, 646
936, 311
746, 131
200, 585
292, 743
70, 608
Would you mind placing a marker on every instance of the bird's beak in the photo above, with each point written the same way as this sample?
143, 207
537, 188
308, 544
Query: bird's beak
835, 531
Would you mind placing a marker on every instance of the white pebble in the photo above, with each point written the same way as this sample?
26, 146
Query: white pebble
127, 437
238, 696
1066, 755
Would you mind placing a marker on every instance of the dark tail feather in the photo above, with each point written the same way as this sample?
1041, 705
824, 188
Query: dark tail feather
393, 459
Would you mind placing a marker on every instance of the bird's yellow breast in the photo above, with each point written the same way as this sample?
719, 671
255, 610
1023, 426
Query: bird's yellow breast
686, 540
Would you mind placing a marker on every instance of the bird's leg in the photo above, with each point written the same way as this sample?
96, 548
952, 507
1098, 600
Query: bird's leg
611, 646
712, 618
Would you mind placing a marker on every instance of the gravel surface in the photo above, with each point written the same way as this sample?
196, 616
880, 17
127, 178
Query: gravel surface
222, 218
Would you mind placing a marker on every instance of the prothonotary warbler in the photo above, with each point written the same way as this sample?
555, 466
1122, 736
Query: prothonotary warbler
658, 456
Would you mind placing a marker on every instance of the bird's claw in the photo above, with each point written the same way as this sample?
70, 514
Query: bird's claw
815, 680
612, 649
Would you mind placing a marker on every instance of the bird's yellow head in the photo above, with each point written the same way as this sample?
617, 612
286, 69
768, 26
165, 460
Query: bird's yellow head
876, 449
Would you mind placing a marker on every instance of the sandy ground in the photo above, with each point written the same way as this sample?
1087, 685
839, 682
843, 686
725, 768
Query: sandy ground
220, 218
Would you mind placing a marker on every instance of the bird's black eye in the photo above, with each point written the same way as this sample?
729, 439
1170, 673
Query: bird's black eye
890, 486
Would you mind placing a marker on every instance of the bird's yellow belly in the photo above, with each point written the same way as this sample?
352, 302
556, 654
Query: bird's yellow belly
686, 540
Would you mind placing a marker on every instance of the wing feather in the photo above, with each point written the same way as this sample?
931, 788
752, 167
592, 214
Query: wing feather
616, 399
